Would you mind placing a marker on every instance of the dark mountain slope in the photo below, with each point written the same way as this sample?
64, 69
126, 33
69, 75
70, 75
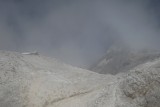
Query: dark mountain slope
121, 59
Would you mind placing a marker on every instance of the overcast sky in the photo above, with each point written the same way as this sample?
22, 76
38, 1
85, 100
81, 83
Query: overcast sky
78, 32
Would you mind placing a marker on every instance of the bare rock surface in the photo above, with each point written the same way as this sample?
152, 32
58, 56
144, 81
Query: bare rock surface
39, 81
122, 59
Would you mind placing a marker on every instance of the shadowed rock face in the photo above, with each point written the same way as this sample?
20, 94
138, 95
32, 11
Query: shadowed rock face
38, 81
122, 59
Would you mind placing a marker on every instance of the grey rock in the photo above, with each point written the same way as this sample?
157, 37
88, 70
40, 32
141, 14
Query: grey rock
39, 81
122, 59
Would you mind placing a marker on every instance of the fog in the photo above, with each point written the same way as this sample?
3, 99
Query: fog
78, 32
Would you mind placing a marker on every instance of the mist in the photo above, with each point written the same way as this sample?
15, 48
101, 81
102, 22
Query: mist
78, 32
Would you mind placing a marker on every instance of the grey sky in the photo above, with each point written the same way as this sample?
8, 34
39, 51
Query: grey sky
77, 31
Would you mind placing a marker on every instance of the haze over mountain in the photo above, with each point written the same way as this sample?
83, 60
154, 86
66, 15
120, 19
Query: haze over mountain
78, 32
121, 58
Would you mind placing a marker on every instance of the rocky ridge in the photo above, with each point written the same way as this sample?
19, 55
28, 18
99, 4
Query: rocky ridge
39, 81
122, 59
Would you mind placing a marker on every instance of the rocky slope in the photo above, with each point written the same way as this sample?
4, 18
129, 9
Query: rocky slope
38, 81
122, 58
